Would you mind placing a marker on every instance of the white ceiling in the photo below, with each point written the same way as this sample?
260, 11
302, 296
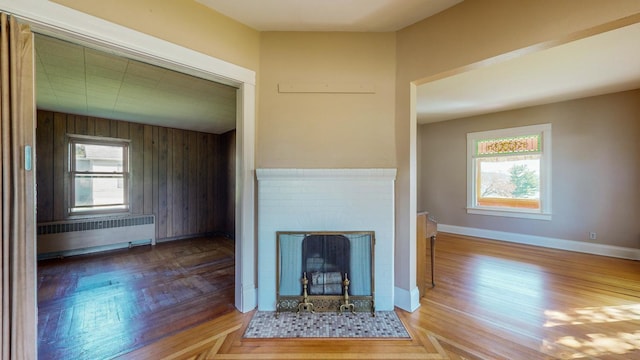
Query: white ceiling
329, 15
74, 79
601, 64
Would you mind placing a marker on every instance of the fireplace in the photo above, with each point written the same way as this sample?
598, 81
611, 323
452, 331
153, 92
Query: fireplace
325, 271
308, 201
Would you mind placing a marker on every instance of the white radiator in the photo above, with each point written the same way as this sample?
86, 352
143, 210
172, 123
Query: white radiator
89, 235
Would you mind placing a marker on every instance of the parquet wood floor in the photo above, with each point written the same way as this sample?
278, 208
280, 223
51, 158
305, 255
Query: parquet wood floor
101, 305
493, 300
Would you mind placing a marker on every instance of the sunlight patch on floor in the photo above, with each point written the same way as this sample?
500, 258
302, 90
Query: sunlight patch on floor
593, 315
600, 343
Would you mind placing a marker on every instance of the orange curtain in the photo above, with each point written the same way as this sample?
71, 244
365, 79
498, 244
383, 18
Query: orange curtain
17, 111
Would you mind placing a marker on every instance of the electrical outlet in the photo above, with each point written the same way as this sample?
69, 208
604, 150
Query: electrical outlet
593, 236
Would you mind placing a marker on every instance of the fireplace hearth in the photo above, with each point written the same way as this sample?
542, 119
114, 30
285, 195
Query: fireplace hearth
325, 271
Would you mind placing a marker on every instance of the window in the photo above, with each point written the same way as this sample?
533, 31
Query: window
509, 172
99, 175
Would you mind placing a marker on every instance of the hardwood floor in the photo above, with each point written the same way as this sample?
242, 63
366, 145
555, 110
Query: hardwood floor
102, 305
520, 302
492, 300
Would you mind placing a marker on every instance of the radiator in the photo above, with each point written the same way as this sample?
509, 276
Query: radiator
96, 234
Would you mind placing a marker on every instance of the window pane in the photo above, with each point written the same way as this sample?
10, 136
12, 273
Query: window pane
509, 177
509, 172
99, 158
98, 190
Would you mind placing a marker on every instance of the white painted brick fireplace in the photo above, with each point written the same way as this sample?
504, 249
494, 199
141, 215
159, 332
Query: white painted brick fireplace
326, 200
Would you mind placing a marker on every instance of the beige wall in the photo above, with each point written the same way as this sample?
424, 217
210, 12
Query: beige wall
465, 34
595, 172
326, 130
186, 23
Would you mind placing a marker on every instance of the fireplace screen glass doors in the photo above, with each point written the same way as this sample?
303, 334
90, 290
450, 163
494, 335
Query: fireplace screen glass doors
325, 260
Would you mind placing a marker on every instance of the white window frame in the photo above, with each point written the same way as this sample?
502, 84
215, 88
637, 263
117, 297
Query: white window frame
73, 210
544, 213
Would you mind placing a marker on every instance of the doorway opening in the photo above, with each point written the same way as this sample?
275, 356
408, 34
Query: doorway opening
235, 167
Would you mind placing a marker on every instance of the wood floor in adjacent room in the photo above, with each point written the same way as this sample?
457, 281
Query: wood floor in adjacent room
492, 300
103, 305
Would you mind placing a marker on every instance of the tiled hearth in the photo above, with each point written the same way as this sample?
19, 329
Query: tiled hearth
326, 200
385, 324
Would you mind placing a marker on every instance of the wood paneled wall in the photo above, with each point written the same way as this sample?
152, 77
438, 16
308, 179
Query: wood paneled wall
182, 177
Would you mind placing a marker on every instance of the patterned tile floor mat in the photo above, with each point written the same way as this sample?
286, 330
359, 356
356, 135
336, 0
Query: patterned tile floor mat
385, 324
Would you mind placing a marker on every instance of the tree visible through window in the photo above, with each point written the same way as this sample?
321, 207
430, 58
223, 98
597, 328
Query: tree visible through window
99, 175
509, 172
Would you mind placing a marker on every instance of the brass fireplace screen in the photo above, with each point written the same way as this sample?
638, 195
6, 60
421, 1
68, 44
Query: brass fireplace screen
325, 271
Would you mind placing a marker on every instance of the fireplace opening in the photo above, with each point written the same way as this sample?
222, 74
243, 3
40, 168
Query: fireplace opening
325, 260
325, 271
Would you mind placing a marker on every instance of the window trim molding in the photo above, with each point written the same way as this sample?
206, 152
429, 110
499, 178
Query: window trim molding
70, 188
544, 213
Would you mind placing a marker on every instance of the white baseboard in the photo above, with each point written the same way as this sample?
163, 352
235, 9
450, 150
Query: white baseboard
407, 300
554, 243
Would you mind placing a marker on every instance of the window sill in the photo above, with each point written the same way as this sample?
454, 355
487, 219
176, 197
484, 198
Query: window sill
510, 213
96, 214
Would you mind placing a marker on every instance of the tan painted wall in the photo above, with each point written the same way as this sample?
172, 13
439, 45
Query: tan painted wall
326, 130
595, 172
465, 34
186, 23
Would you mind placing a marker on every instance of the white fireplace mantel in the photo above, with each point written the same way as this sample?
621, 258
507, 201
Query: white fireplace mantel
326, 200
